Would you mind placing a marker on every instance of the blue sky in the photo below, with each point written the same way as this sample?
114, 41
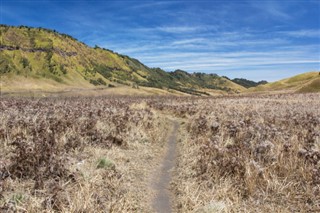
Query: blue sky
258, 40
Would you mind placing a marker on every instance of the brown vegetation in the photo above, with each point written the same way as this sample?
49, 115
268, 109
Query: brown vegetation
249, 154
236, 154
75, 154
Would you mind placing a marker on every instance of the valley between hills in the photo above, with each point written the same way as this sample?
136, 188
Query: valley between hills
45, 62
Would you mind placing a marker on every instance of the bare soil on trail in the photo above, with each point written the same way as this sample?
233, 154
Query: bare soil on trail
162, 202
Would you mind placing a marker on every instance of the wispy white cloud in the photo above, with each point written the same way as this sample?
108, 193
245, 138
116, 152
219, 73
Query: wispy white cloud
273, 60
153, 4
178, 29
198, 44
307, 33
173, 29
273, 9
230, 64
189, 41
225, 53
295, 53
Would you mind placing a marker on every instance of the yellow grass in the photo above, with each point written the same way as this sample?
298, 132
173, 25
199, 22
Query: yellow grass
292, 84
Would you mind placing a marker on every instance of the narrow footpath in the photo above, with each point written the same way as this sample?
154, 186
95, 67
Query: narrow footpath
162, 202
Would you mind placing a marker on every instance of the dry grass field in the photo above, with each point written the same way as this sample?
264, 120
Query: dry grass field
234, 154
77, 154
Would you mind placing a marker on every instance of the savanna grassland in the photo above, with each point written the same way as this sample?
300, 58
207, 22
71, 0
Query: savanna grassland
77, 154
235, 154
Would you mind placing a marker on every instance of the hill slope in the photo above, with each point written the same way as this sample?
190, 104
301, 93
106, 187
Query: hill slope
37, 58
248, 83
306, 82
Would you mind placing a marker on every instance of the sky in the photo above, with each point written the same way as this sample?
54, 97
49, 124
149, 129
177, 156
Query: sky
257, 40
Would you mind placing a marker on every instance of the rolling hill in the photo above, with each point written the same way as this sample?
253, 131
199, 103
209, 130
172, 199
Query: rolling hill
42, 59
247, 83
306, 82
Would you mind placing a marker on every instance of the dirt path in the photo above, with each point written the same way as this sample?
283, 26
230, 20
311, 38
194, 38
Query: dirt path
162, 200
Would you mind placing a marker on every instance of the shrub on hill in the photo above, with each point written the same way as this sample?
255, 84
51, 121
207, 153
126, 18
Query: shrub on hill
248, 83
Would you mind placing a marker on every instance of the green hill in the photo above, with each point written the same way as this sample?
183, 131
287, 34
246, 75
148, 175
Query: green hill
42, 59
312, 86
248, 83
306, 82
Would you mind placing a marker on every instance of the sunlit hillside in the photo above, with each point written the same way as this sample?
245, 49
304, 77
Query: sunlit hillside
306, 82
42, 59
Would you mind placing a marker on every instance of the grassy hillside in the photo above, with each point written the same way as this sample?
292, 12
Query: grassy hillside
210, 81
306, 82
37, 58
313, 86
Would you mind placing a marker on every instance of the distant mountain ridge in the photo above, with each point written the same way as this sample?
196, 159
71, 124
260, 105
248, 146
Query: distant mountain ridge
42, 54
248, 83
245, 82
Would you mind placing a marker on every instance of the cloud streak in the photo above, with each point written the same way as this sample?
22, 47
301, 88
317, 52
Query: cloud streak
304, 33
